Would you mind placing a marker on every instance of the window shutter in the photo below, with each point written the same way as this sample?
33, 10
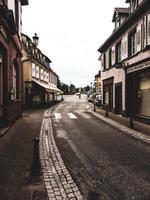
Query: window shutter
124, 47
148, 29
138, 38
102, 61
113, 55
107, 59
144, 31
33, 69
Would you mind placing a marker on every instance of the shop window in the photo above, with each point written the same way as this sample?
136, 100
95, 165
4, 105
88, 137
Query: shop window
144, 94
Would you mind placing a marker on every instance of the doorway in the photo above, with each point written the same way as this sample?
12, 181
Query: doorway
1, 84
118, 98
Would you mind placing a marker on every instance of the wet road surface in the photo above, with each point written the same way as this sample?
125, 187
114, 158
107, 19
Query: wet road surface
105, 163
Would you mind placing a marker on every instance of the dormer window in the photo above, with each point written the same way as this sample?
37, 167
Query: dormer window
117, 23
134, 4
120, 14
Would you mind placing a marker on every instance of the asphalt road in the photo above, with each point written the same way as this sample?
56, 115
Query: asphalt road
104, 162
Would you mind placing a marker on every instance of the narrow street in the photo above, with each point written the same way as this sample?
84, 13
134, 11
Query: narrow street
104, 162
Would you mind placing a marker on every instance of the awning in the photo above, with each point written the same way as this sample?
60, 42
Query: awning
47, 87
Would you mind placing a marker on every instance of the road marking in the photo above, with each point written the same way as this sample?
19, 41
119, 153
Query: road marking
61, 134
71, 116
83, 114
58, 116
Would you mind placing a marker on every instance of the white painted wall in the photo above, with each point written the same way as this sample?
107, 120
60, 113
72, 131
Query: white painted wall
119, 76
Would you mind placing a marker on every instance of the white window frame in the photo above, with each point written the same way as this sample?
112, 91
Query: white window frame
33, 69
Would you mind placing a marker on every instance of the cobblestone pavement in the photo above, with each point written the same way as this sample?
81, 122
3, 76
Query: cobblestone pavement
58, 182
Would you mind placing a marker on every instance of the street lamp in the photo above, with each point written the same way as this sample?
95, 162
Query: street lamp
35, 39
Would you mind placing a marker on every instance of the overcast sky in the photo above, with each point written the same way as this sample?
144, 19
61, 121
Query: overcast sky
70, 33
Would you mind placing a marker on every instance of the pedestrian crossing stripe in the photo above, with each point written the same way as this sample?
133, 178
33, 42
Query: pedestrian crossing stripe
58, 116
72, 116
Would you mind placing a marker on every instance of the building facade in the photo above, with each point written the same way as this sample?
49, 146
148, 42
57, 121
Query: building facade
98, 82
40, 81
125, 60
10, 60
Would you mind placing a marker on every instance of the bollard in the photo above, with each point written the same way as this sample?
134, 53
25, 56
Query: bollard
107, 111
36, 165
94, 107
131, 120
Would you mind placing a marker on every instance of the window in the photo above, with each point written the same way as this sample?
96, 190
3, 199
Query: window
132, 43
148, 29
104, 61
14, 90
41, 74
118, 52
110, 58
33, 69
113, 55
117, 22
37, 72
17, 13
134, 4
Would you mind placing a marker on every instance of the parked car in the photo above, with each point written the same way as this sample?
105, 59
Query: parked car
98, 100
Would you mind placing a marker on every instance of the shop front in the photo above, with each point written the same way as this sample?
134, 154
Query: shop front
39, 94
138, 92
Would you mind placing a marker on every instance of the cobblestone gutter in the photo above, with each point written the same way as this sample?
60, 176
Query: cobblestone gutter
58, 182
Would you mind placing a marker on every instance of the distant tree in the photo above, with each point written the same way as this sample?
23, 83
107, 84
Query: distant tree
87, 88
65, 88
72, 88
59, 84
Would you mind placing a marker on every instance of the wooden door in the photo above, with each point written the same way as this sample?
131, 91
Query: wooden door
118, 98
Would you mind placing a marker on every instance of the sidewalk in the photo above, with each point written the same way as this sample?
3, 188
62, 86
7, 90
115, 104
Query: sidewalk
141, 127
16, 157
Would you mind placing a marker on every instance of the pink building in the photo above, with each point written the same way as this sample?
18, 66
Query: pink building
11, 89
125, 61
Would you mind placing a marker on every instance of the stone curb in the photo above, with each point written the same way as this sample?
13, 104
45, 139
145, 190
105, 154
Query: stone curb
4, 131
58, 181
131, 132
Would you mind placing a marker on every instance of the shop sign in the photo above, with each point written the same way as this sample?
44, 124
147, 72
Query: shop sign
138, 67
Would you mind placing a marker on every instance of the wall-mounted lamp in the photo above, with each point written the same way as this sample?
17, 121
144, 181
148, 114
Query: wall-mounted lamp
35, 39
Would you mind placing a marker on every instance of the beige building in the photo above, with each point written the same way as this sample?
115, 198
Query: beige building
98, 82
40, 81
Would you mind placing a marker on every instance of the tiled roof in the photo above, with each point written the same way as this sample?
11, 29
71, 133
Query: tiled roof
122, 10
